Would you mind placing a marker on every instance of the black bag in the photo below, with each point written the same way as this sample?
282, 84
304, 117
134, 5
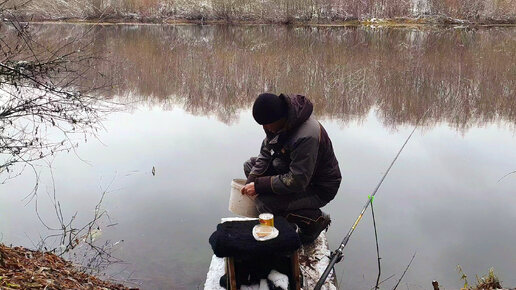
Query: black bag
254, 259
235, 239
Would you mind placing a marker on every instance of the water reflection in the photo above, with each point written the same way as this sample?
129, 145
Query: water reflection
466, 76
441, 199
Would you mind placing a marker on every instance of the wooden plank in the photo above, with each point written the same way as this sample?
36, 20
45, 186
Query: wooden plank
230, 270
296, 271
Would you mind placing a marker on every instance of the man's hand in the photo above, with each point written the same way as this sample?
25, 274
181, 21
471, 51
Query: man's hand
248, 189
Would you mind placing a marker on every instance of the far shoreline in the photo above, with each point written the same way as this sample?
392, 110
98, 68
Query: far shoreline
373, 23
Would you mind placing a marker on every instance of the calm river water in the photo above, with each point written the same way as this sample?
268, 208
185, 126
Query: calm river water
189, 90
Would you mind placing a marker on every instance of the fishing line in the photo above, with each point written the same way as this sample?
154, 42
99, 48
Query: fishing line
377, 255
338, 254
404, 272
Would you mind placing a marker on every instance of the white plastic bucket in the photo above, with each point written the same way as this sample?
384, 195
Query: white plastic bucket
241, 204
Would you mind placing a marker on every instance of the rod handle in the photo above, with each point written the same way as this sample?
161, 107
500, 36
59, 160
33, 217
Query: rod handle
336, 257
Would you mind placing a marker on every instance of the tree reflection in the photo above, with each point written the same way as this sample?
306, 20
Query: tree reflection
466, 76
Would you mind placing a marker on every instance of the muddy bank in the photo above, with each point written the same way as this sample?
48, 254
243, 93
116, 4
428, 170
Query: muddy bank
21, 268
271, 11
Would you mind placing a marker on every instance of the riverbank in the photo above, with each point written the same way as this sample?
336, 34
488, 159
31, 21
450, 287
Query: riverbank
21, 268
375, 23
302, 12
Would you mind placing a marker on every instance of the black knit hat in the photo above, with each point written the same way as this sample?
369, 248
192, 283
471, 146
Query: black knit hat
269, 108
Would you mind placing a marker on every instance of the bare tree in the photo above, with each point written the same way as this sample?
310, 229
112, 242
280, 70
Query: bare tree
48, 94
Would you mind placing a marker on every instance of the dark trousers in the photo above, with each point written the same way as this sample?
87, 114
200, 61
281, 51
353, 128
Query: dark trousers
286, 203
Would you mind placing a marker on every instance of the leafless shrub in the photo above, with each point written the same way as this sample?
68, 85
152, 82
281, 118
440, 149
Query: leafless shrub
79, 243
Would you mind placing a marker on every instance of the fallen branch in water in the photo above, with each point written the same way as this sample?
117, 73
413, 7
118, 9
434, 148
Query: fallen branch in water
79, 243
506, 175
377, 250
386, 279
404, 272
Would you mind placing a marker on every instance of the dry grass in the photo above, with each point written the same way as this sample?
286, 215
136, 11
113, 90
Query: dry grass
489, 281
21, 268
486, 282
276, 11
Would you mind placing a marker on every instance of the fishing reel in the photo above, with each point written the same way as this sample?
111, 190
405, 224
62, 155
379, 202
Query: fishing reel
338, 254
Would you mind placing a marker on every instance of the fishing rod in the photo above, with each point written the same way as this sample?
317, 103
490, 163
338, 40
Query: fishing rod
338, 254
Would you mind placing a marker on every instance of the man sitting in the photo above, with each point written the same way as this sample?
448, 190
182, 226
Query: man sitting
296, 172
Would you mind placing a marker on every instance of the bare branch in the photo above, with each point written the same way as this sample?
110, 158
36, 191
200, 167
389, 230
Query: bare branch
404, 272
510, 173
45, 90
79, 243
377, 249
384, 280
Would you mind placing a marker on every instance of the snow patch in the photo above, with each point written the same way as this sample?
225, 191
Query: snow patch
420, 7
237, 219
278, 279
217, 269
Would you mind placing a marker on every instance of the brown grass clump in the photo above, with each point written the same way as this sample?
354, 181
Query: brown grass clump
489, 281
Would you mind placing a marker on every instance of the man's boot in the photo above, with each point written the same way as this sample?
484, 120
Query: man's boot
311, 223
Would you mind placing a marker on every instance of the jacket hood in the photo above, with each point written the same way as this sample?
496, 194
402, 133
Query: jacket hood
299, 110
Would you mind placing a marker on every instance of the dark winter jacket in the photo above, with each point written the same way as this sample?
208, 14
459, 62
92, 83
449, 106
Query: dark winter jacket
306, 150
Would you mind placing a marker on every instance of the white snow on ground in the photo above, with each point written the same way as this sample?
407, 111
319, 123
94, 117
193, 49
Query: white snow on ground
235, 219
264, 285
420, 7
217, 269
252, 287
278, 279
314, 259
